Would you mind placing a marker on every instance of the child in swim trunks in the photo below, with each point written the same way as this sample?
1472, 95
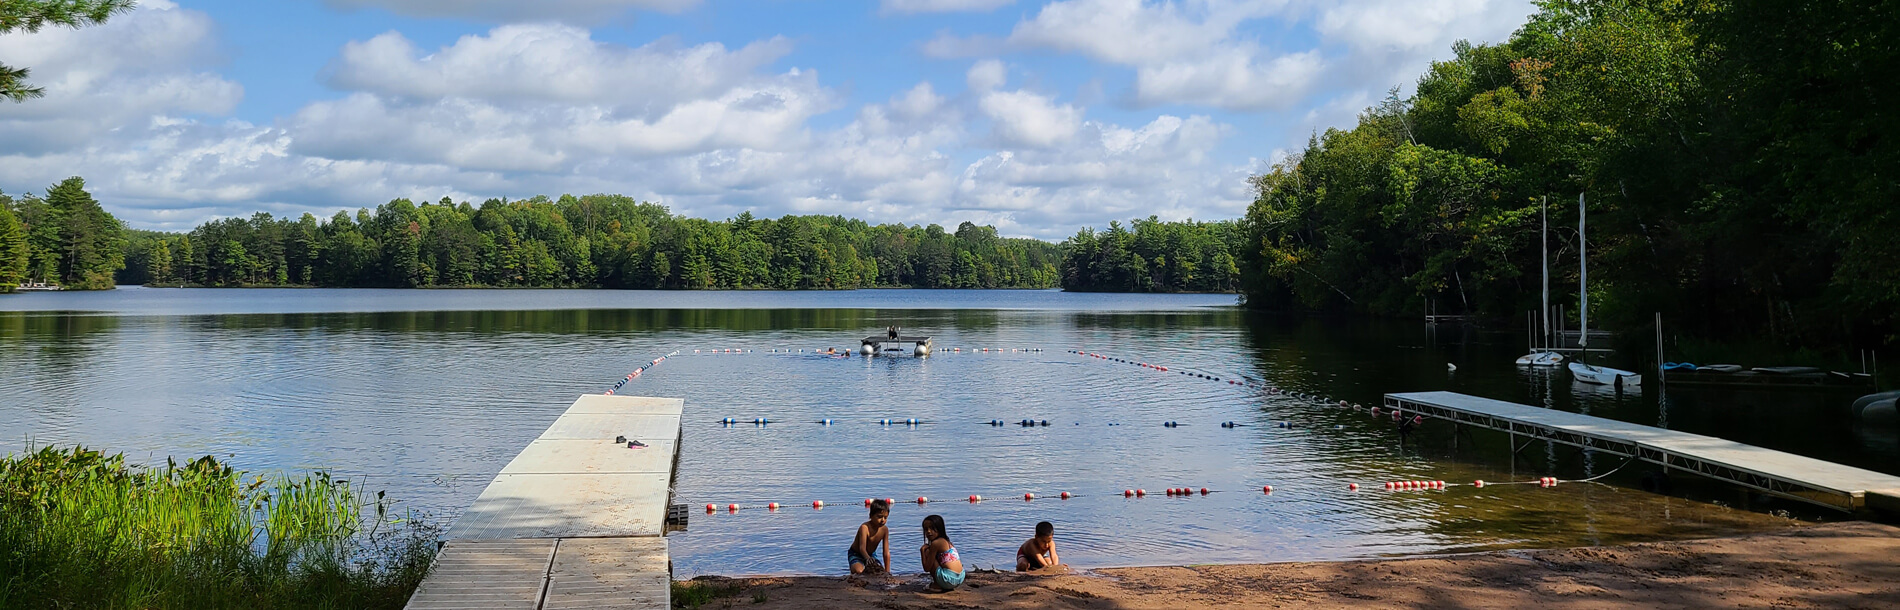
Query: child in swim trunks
1039, 552
940, 558
870, 535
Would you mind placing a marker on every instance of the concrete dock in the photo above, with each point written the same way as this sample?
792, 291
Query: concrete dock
576, 520
1765, 470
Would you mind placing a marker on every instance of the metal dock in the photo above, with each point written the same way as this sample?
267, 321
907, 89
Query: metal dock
1766, 470
576, 520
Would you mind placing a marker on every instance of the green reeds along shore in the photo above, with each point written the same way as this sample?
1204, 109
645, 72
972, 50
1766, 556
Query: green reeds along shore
83, 529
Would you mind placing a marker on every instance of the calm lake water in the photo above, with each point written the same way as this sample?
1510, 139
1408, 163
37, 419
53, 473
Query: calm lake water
427, 394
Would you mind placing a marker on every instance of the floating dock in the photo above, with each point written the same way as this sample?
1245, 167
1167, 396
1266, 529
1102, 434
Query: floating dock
577, 520
919, 346
1765, 470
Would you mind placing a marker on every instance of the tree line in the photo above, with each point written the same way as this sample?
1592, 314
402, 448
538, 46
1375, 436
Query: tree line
592, 241
1156, 256
1736, 158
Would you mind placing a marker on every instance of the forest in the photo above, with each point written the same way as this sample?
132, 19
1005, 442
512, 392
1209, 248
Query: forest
592, 241
1736, 158
1155, 256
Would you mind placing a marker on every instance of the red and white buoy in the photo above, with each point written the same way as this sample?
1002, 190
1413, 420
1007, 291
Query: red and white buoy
1266, 489
1028, 496
817, 503
1478, 483
1065, 495
1127, 493
710, 509
771, 506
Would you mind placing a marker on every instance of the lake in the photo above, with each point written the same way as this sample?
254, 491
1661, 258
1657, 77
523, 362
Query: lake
428, 393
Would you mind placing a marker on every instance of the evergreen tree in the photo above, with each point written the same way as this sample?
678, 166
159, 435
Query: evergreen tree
13, 251
160, 263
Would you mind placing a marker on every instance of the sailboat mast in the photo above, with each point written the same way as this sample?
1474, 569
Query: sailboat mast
1583, 281
1543, 209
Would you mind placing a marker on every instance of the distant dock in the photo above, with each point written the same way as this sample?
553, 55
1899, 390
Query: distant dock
577, 520
1765, 470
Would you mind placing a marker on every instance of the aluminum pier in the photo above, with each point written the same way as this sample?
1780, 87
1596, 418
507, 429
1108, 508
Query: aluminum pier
576, 520
1765, 470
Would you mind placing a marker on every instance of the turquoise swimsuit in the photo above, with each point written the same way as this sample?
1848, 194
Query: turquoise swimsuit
942, 576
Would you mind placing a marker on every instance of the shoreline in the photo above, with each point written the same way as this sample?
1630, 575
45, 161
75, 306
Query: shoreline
1844, 564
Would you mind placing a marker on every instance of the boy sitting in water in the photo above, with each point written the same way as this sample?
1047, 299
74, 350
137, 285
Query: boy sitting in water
1039, 552
870, 535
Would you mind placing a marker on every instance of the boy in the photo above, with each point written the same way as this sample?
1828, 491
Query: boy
1038, 552
870, 535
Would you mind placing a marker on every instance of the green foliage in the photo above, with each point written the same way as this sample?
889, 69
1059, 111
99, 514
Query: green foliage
1733, 153
13, 250
705, 590
606, 241
71, 240
31, 15
1156, 256
79, 528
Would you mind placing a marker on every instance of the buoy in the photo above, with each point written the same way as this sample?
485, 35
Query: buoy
1170, 492
1352, 486
1141, 492
1478, 483
1065, 495
1128, 493
709, 508
922, 500
890, 502
867, 501
1388, 484
825, 421
1266, 489
974, 498
817, 503
772, 506
1029, 496
732, 507
911, 421
1203, 491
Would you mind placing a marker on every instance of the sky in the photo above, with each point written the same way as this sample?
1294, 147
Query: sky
1037, 118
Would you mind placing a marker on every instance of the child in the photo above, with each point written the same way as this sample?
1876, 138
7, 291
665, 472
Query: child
870, 535
1038, 552
940, 557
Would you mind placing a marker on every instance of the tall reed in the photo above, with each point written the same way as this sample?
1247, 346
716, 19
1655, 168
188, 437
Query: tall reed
80, 528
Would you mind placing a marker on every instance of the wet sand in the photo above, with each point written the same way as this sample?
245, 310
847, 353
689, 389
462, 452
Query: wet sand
1837, 565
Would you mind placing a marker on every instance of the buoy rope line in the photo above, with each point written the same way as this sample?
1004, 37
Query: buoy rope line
636, 372
850, 351
1139, 493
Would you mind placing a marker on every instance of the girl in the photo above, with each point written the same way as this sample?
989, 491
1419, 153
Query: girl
940, 557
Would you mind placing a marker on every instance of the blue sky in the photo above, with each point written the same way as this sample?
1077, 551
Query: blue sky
1039, 118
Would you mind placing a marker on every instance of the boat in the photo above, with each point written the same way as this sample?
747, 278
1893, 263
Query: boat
1678, 366
1543, 358
1603, 375
1584, 371
1788, 370
1877, 408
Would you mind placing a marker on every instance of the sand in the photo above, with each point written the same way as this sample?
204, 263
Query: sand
1838, 565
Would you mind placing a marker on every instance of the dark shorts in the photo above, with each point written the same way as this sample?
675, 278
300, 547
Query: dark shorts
853, 557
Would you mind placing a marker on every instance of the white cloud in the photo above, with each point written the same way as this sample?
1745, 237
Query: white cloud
1026, 119
98, 79
1392, 41
519, 10
534, 97
941, 6
986, 75
1182, 52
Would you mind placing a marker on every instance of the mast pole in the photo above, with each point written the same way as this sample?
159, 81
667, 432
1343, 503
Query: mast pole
1583, 283
1543, 209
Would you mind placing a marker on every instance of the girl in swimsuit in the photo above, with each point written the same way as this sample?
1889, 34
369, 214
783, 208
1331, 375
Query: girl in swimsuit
940, 557
1038, 552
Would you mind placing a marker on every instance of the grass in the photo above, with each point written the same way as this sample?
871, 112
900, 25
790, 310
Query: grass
83, 529
705, 590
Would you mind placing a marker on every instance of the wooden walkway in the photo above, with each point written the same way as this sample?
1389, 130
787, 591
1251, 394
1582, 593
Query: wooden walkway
1766, 470
575, 521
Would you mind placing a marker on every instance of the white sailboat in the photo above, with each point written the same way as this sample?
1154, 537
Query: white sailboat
1543, 357
1584, 372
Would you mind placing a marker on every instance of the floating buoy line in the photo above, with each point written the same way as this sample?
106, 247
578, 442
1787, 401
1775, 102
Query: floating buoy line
1126, 494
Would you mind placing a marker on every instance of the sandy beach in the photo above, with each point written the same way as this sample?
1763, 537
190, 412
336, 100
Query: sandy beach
1837, 565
